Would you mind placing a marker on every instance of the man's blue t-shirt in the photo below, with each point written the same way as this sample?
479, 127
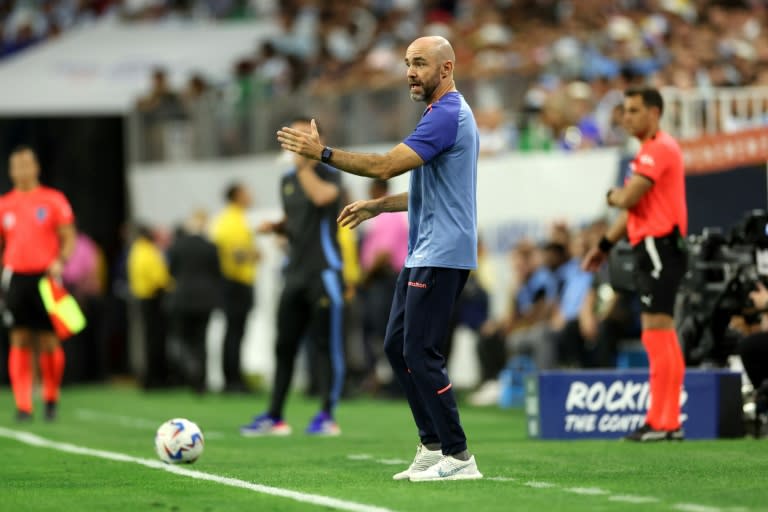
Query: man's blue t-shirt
442, 197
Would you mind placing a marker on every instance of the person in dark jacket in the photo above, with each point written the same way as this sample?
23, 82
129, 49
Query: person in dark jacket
194, 265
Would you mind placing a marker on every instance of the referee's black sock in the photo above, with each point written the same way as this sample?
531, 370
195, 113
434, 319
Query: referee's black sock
433, 447
462, 455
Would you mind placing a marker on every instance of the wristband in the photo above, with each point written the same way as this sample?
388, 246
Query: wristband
605, 245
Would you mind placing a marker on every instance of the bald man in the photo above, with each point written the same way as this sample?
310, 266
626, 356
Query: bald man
442, 248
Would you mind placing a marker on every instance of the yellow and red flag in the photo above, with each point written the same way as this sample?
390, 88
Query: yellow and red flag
65, 314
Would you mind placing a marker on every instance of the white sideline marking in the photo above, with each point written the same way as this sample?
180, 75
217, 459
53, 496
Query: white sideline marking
693, 507
587, 491
314, 499
501, 479
131, 422
540, 485
629, 498
392, 462
359, 456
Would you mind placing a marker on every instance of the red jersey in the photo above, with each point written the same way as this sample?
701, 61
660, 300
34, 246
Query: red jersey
663, 206
29, 227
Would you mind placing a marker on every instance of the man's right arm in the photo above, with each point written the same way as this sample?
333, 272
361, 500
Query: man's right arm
598, 255
618, 229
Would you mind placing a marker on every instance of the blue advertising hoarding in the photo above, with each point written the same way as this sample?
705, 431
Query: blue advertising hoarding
606, 404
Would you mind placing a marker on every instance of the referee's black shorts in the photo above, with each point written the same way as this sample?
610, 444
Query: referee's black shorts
24, 306
660, 263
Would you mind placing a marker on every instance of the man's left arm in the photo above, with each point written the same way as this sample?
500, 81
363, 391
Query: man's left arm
67, 235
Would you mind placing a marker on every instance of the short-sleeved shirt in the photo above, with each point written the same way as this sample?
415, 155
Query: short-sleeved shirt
311, 230
541, 285
234, 237
30, 222
573, 286
663, 206
442, 196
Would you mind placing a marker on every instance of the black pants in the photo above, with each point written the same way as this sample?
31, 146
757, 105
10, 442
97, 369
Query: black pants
492, 355
153, 322
311, 308
418, 324
190, 328
238, 301
754, 357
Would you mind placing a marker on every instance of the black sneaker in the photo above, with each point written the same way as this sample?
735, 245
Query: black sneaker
50, 411
645, 434
676, 435
23, 416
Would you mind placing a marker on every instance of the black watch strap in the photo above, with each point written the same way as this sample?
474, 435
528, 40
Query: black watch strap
325, 156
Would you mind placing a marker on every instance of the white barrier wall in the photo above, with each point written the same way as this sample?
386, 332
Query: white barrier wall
517, 195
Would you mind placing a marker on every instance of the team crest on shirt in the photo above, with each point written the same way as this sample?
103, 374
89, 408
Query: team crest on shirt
9, 220
41, 213
288, 189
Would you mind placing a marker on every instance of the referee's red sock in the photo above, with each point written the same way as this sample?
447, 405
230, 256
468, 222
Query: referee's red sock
52, 370
20, 372
655, 345
670, 415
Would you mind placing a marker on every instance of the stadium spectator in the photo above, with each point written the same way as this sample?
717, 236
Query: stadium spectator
83, 274
238, 256
38, 237
311, 303
193, 262
149, 279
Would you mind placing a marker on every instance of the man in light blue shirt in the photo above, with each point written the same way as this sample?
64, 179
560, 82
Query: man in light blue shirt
441, 202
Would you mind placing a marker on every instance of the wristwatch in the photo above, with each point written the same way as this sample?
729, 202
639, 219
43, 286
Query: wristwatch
325, 156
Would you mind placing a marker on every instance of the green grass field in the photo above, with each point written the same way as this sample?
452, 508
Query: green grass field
698, 476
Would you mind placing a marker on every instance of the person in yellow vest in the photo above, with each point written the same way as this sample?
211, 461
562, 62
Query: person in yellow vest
239, 257
350, 269
148, 279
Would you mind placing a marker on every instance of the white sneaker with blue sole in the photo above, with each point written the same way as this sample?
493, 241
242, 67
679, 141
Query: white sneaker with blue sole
424, 459
449, 468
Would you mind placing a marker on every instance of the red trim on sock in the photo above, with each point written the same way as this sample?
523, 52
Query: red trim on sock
446, 388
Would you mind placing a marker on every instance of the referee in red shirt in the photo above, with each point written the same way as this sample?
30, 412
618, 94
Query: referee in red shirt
655, 218
38, 235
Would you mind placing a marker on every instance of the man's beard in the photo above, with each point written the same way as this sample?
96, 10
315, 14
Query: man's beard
427, 88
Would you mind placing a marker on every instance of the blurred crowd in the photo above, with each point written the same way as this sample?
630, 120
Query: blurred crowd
575, 56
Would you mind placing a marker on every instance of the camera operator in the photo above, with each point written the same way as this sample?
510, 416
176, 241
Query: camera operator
753, 348
654, 217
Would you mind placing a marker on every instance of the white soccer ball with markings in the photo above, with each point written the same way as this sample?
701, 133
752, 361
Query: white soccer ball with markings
179, 441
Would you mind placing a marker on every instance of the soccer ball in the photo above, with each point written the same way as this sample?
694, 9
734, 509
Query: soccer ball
179, 441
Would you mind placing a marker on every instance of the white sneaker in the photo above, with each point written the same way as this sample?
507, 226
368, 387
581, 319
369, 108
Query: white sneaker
488, 394
424, 459
449, 468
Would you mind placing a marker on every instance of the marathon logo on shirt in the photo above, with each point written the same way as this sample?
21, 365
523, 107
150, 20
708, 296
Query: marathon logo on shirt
417, 284
617, 406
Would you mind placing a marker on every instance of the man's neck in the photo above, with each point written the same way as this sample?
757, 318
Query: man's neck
27, 187
650, 134
442, 91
